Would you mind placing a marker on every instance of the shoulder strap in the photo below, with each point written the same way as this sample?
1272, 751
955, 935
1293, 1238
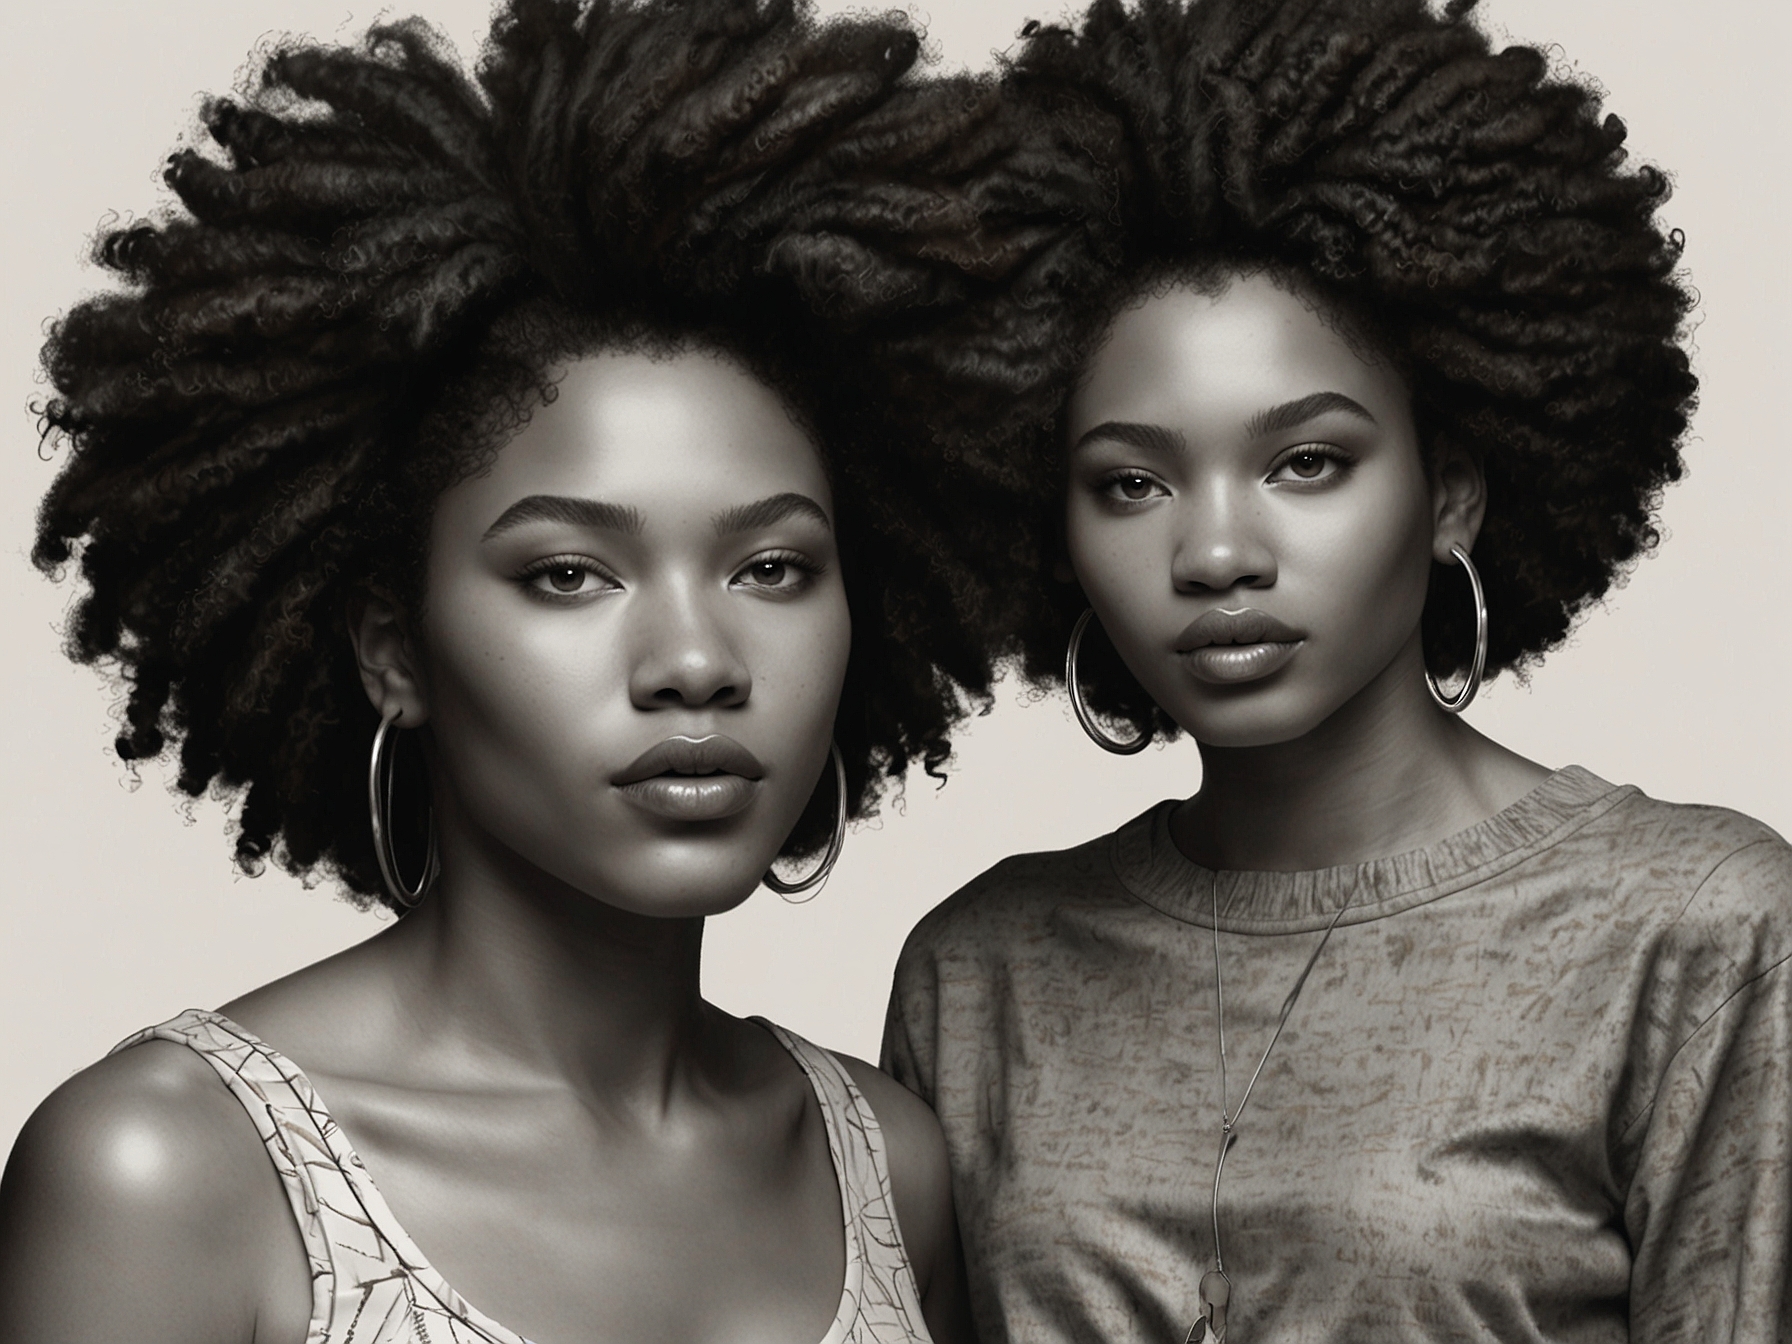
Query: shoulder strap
880, 1282
283, 1110
370, 1284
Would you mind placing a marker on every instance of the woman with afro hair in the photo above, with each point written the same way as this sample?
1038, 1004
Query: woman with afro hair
474, 476
1359, 390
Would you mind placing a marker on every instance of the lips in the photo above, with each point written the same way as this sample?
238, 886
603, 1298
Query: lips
692, 778
1228, 647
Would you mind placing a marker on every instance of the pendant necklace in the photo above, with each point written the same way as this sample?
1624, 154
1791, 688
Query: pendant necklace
1215, 1288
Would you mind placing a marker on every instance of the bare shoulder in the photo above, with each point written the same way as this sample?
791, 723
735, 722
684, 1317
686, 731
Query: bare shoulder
150, 1128
920, 1177
901, 1114
139, 1203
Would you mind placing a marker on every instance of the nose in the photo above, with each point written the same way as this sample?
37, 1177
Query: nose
1220, 543
686, 658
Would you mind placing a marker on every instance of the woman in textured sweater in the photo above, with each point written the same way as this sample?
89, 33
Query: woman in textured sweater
1364, 388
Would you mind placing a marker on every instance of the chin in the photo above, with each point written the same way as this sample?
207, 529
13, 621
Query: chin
680, 880
1251, 716
672, 903
1242, 737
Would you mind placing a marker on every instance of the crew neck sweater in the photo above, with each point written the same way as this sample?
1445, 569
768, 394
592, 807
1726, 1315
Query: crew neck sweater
1537, 1087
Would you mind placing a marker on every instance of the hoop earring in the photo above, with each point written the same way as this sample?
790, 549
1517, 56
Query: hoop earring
1083, 716
379, 809
1455, 704
818, 879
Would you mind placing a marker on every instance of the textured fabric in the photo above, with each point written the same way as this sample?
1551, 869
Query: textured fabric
1536, 1088
370, 1283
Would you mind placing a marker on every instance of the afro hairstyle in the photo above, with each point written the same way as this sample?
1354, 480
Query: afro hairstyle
364, 292
1470, 213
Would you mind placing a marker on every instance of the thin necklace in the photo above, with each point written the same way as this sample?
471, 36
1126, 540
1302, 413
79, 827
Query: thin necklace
1216, 1288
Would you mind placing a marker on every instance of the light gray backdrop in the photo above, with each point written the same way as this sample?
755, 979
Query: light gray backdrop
118, 911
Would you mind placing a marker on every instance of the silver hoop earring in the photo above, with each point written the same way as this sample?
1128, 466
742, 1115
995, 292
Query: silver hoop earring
379, 808
1083, 716
818, 879
1455, 704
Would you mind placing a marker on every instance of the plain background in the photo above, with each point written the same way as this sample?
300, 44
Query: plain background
121, 906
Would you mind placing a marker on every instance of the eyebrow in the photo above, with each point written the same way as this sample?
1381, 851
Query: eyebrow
567, 509
765, 512
1302, 409
1150, 438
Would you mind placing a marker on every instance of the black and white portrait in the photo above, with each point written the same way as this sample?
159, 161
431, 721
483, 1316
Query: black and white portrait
733, 670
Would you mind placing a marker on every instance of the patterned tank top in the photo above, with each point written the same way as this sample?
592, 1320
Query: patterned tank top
371, 1285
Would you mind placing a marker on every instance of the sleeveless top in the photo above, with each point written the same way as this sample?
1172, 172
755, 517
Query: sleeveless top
371, 1285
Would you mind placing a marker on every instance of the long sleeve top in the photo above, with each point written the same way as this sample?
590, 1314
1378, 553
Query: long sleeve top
1537, 1087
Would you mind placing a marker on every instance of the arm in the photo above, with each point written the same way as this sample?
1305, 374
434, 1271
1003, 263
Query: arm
921, 1186
139, 1205
1709, 1211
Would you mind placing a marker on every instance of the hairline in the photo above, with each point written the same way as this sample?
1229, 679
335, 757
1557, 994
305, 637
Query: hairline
1212, 275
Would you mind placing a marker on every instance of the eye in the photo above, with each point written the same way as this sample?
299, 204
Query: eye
1131, 486
1310, 464
562, 576
781, 572
768, 572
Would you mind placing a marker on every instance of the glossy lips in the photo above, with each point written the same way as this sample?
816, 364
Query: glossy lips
692, 778
1225, 647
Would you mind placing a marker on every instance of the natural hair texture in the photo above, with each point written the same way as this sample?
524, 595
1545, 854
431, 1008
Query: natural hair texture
362, 300
1461, 209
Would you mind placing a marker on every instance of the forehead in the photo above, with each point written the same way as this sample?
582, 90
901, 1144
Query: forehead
1184, 357
685, 430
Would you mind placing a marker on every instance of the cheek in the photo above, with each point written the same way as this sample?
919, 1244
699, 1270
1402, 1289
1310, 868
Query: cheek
1111, 558
1124, 567
519, 696
1367, 571
531, 681
799, 664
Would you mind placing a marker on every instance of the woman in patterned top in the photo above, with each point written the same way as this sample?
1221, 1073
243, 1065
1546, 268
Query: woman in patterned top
463, 477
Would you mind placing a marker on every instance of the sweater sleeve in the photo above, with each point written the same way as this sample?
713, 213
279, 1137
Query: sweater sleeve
1709, 1209
909, 1024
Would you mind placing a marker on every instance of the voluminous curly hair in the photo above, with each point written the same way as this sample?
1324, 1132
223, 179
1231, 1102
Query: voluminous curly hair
1469, 213
365, 295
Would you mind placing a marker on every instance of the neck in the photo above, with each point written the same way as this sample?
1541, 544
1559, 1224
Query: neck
515, 973
1386, 773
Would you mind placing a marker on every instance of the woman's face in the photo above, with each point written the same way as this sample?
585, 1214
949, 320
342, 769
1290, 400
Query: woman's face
635, 634
1249, 513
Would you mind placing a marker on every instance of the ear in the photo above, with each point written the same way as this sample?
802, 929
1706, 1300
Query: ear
1458, 502
386, 653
